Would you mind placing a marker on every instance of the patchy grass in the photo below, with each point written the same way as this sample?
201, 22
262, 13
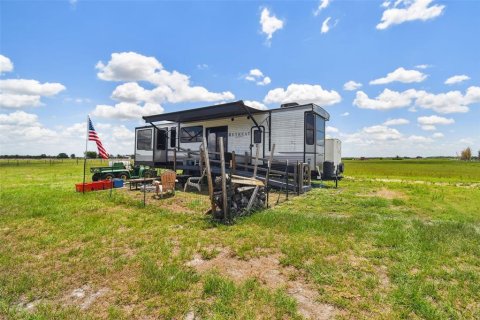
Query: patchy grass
370, 249
439, 170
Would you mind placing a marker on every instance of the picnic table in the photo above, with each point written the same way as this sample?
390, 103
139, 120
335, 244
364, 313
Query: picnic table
135, 182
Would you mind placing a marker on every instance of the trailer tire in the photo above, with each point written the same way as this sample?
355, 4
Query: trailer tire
95, 177
123, 176
108, 176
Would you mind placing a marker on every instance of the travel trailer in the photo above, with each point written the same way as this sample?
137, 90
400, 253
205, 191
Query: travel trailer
298, 132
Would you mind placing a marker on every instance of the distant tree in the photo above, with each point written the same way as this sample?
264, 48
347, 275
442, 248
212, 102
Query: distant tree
466, 154
43, 156
91, 154
72, 156
62, 155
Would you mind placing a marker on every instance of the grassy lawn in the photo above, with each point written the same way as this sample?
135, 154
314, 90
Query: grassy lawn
370, 249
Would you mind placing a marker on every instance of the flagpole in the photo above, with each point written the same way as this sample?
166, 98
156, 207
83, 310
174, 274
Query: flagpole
85, 155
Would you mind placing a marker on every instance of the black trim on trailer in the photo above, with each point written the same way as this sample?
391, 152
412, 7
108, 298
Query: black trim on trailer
226, 110
269, 130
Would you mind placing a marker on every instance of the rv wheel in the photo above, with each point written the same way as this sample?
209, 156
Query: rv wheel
108, 176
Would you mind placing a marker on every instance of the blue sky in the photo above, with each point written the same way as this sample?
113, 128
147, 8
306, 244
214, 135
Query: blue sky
166, 56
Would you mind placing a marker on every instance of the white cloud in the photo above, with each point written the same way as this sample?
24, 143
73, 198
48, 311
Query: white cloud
18, 128
411, 10
428, 127
270, 23
322, 5
401, 75
173, 87
126, 110
387, 100
325, 26
257, 76
396, 122
351, 85
437, 135
20, 118
429, 123
6, 64
418, 139
265, 81
256, 73
385, 4
372, 134
20, 93
16, 101
448, 102
330, 129
255, 104
434, 120
128, 66
457, 79
202, 66
345, 114
303, 93
30, 87
422, 66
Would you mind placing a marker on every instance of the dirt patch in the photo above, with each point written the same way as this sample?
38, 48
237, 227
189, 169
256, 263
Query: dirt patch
268, 271
84, 296
386, 194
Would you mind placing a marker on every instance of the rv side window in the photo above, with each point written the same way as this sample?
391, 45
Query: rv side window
144, 139
320, 131
309, 128
191, 134
173, 137
161, 140
257, 136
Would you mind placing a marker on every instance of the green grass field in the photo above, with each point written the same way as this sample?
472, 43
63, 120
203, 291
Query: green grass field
374, 248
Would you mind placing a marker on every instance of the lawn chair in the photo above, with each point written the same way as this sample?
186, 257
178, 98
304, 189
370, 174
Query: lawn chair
168, 179
195, 182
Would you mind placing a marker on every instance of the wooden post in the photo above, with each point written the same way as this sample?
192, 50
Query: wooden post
252, 198
268, 170
300, 177
209, 174
234, 163
295, 177
226, 215
256, 161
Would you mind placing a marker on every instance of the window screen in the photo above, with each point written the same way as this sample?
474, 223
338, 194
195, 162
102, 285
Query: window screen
191, 134
173, 137
144, 139
309, 129
161, 139
257, 136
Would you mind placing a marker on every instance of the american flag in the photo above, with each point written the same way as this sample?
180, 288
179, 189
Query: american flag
92, 136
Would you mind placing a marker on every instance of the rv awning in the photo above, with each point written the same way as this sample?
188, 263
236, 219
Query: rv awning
226, 110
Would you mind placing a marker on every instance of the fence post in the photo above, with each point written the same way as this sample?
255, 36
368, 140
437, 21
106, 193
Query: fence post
267, 177
209, 175
256, 160
246, 160
234, 163
226, 214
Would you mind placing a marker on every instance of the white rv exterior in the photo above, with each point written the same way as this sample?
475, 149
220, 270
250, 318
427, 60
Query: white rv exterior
298, 132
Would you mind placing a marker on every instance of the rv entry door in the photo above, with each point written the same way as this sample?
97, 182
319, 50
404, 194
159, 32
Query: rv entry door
161, 145
213, 141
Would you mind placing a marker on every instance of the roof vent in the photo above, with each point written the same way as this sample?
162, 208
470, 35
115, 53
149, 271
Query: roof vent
289, 105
